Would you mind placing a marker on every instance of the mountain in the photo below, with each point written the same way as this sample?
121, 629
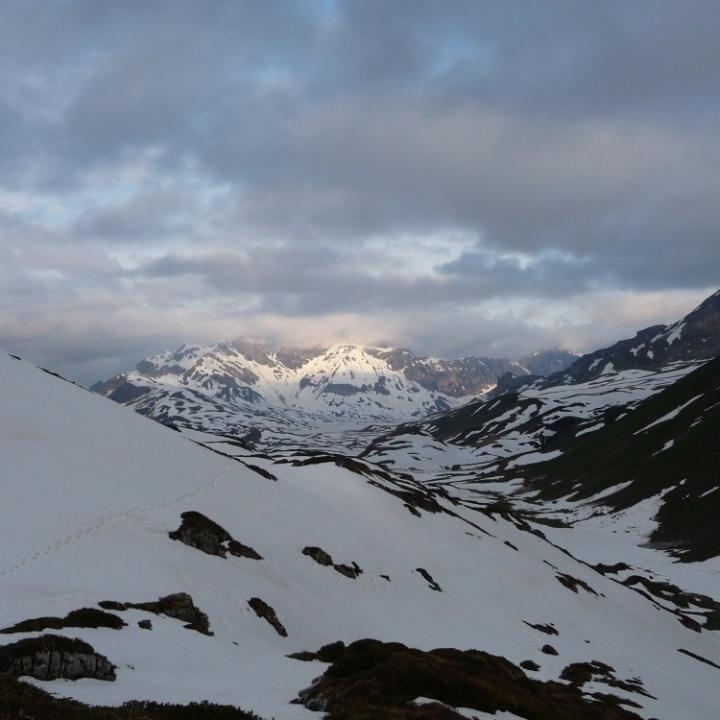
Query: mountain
527, 413
626, 430
666, 450
145, 563
230, 386
547, 362
695, 337
519, 426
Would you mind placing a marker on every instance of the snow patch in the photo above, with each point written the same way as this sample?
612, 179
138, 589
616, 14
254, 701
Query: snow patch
669, 416
534, 457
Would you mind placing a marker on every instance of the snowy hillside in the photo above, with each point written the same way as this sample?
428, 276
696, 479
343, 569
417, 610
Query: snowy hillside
620, 466
517, 428
109, 511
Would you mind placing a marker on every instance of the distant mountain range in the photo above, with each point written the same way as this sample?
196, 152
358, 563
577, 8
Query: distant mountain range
216, 387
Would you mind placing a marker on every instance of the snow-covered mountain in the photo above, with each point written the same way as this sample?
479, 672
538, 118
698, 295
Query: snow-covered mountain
694, 337
186, 574
230, 386
633, 424
525, 413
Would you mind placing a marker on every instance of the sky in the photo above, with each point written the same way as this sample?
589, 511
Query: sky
457, 177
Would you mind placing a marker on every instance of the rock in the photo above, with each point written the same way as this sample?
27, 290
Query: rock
318, 555
325, 559
198, 531
82, 618
573, 583
51, 657
429, 579
529, 665
260, 471
548, 628
599, 672
372, 679
145, 624
549, 650
266, 612
178, 605
351, 571
327, 653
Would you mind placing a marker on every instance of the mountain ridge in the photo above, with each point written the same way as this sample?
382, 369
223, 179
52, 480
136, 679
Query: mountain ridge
694, 337
342, 382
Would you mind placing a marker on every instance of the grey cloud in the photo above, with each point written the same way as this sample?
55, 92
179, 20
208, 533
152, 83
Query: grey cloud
241, 153
317, 280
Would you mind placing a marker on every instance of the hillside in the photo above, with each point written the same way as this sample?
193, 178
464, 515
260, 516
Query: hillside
666, 448
238, 561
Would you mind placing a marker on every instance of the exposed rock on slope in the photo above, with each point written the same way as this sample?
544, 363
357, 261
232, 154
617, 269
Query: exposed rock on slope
177, 605
200, 532
83, 618
371, 679
53, 657
267, 613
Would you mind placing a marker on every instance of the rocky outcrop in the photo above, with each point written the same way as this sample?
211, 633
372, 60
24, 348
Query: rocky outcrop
584, 672
52, 657
573, 583
548, 628
327, 653
199, 531
318, 555
429, 579
324, 558
372, 679
178, 605
267, 613
350, 571
82, 618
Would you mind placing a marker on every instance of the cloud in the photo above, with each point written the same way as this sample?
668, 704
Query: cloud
394, 171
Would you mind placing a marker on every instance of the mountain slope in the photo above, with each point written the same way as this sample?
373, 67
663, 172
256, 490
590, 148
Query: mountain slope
494, 433
97, 497
667, 447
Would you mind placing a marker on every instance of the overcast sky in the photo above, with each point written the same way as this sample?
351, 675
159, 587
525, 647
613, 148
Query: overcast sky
456, 177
